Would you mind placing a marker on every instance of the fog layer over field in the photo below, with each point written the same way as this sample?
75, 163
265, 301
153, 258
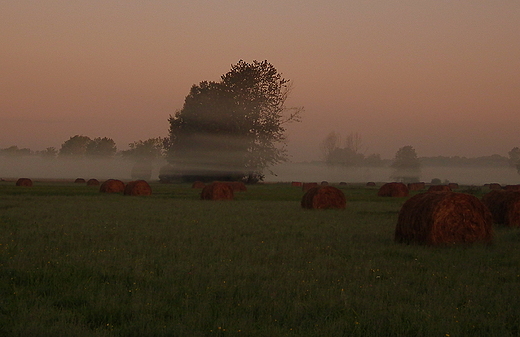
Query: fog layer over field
117, 168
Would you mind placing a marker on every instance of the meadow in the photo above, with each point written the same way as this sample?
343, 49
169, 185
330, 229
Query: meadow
75, 262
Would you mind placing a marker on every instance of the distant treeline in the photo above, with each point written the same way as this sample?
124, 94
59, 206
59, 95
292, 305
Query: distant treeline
494, 160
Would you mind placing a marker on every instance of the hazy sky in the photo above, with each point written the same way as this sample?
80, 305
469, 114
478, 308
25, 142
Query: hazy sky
442, 76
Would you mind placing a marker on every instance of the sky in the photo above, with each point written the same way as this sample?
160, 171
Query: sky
441, 76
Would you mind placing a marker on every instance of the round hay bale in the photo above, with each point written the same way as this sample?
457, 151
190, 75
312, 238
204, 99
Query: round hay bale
308, 186
138, 187
79, 181
453, 186
324, 197
198, 184
504, 206
439, 188
296, 184
237, 186
512, 188
112, 186
494, 186
217, 191
93, 182
342, 183
371, 184
324, 183
416, 186
24, 182
398, 190
443, 219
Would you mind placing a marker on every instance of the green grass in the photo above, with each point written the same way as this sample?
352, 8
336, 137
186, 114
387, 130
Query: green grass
74, 262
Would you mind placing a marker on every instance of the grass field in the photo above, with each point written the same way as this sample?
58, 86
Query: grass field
75, 262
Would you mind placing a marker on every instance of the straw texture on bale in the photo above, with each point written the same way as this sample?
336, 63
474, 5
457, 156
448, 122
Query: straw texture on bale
237, 186
93, 182
453, 186
198, 184
324, 197
138, 187
24, 182
112, 186
371, 184
217, 191
296, 184
308, 186
416, 186
393, 190
79, 181
439, 188
504, 206
444, 219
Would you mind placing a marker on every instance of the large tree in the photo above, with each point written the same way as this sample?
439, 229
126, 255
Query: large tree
233, 128
101, 147
74, 146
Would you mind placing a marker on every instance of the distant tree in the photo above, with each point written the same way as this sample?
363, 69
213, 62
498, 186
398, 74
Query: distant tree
75, 146
233, 128
342, 153
514, 158
101, 147
49, 153
14, 151
374, 160
150, 149
406, 165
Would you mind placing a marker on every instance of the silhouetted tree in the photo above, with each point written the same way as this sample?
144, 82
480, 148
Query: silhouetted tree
101, 147
14, 151
150, 149
49, 153
406, 165
233, 128
75, 146
342, 153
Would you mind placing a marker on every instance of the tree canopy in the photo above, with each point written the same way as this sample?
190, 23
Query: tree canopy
235, 127
407, 165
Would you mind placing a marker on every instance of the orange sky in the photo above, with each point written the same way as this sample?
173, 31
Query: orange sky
442, 76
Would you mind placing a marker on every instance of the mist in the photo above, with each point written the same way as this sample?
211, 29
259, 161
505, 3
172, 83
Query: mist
35, 168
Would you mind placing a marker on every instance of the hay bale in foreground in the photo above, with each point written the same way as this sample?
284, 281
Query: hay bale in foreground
198, 184
217, 191
24, 182
398, 190
112, 186
93, 182
416, 186
138, 187
504, 206
308, 186
324, 197
443, 219
79, 181
439, 188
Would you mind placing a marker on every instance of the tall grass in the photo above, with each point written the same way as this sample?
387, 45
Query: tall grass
75, 262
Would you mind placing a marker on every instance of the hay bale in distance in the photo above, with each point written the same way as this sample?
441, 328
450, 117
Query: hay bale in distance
198, 184
138, 187
217, 191
494, 186
112, 186
504, 207
416, 186
324, 183
24, 182
324, 197
444, 219
296, 184
308, 186
453, 186
342, 183
237, 186
79, 181
371, 184
439, 188
394, 189
93, 182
